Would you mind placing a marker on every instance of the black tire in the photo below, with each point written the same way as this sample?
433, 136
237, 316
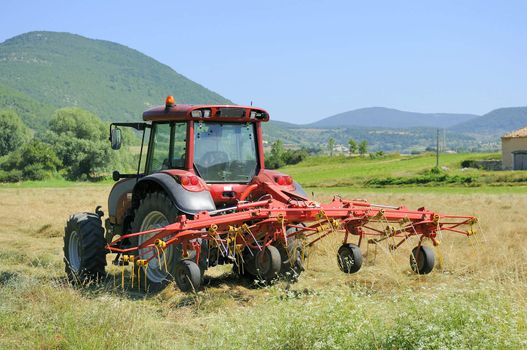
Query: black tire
292, 259
156, 203
188, 276
349, 258
267, 263
422, 260
84, 248
245, 268
159, 276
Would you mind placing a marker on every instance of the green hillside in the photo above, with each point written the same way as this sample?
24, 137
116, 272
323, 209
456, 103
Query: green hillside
41, 71
33, 112
496, 122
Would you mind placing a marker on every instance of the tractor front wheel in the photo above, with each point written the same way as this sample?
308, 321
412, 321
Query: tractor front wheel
84, 248
349, 258
422, 260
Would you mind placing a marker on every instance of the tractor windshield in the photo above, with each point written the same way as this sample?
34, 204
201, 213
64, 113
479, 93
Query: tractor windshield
225, 152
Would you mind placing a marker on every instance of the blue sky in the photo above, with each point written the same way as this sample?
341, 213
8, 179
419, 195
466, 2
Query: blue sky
306, 60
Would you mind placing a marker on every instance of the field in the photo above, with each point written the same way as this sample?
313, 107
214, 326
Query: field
357, 172
477, 298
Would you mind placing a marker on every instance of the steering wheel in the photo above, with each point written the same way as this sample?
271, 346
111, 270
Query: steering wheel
213, 158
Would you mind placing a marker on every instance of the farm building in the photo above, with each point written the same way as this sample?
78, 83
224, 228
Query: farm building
514, 150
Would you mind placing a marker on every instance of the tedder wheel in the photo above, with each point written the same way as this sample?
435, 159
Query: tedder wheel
84, 248
155, 211
267, 263
349, 258
422, 260
292, 259
188, 275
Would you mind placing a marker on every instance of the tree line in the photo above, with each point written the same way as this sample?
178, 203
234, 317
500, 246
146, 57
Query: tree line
73, 146
353, 147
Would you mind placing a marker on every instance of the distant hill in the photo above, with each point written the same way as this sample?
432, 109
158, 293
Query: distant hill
496, 122
43, 71
53, 70
391, 118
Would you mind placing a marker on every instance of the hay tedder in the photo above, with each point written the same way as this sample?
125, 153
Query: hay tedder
202, 197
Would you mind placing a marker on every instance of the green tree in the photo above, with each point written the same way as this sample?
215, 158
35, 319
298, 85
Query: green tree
80, 140
363, 148
13, 132
276, 158
352, 146
33, 161
331, 146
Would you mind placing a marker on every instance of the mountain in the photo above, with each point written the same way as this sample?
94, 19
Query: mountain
496, 122
52, 70
391, 118
34, 113
43, 71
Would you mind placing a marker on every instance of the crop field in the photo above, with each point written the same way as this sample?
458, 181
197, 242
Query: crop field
476, 297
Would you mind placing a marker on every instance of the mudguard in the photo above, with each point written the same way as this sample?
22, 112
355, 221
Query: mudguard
117, 199
187, 202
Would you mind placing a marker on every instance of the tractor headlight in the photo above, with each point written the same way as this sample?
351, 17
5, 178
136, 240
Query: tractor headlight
200, 113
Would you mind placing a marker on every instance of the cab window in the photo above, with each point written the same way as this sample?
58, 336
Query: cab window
167, 146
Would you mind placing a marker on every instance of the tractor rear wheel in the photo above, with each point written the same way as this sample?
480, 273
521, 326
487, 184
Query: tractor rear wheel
349, 258
84, 248
422, 260
156, 210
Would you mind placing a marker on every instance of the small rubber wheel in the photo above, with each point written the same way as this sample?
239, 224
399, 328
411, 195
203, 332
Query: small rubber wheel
267, 263
292, 257
187, 275
244, 266
84, 248
422, 260
349, 258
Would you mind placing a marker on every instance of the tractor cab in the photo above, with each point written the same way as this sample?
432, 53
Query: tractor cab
205, 157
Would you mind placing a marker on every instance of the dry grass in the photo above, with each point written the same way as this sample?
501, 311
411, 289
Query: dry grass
476, 299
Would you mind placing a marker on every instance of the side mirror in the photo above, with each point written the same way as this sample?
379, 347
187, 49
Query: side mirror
115, 138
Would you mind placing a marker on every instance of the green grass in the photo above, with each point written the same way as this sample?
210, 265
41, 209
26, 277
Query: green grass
475, 299
56, 316
343, 190
55, 183
316, 171
406, 173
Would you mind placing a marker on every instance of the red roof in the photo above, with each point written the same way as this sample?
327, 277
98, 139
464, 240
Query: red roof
184, 112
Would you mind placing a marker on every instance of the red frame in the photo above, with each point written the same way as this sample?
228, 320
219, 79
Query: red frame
261, 222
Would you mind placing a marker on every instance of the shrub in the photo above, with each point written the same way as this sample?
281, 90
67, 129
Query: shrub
470, 163
79, 140
433, 176
13, 133
33, 161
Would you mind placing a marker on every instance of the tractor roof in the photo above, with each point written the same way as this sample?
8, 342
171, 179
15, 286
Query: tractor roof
232, 113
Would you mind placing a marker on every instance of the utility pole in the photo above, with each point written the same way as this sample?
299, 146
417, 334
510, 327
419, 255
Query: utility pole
437, 149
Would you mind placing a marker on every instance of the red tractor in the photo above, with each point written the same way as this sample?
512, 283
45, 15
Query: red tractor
204, 198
